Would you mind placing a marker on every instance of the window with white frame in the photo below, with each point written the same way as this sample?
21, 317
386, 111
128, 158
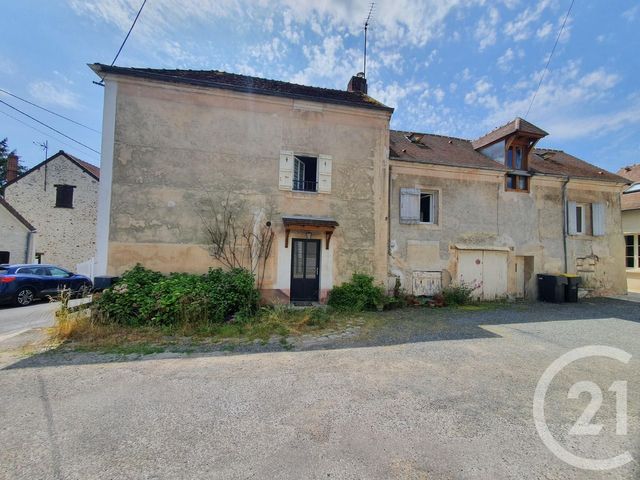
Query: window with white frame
586, 218
418, 206
305, 173
632, 250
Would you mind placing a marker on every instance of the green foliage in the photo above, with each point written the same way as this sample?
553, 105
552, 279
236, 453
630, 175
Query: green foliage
357, 295
145, 297
458, 293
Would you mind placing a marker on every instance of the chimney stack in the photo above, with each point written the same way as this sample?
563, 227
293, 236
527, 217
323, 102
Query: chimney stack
12, 167
357, 83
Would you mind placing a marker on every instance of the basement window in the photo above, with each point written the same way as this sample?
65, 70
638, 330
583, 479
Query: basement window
64, 196
305, 174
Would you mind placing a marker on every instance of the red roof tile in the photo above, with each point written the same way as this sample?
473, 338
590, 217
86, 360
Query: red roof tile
517, 125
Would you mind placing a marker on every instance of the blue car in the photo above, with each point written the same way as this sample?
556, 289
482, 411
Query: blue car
22, 284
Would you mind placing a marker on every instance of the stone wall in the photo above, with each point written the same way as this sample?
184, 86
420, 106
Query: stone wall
66, 236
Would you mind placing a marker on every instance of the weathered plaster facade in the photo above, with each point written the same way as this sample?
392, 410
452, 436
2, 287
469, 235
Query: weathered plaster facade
475, 213
176, 146
174, 140
66, 236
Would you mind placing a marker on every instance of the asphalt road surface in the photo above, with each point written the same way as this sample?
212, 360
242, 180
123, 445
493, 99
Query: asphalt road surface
443, 407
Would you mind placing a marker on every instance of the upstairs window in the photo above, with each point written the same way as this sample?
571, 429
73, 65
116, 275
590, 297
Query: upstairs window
517, 183
586, 219
427, 207
305, 174
515, 158
418, 206
64, 196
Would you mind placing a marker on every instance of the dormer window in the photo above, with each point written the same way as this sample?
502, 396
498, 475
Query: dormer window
515, 158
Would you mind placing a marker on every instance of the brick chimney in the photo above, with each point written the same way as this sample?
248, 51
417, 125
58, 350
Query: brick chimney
12, 167
357, 83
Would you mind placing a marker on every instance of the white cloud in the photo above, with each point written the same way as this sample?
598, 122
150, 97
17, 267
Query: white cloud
569, 104
47, 93
631, 14
504, 62
486, 29
480, 95
329, 61
545, 30
393, 93
520, 28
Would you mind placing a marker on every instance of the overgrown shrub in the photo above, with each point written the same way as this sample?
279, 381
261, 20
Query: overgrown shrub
357, 295
145, 297
458, 293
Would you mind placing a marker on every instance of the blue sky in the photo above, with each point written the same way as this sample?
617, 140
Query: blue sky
452, 67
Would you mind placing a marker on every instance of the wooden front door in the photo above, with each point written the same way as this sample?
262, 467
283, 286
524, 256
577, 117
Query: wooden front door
305, 270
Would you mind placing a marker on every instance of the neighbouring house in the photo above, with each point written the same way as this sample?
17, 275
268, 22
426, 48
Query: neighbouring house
59, 198
341, 192
631, 226
496, 211
17, 241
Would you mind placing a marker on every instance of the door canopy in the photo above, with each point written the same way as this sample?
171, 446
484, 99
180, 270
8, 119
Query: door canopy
298, 223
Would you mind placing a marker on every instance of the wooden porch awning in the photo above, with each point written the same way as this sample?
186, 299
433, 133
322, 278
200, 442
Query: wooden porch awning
300, 223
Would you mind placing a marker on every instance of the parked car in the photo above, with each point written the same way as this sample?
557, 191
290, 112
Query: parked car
22, 284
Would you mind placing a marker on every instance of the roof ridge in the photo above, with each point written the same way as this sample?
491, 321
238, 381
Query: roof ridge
404, 132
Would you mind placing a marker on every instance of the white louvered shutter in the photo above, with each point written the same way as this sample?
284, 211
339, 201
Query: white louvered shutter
324, 173
597, 219
285, 181
572, 223
409, 205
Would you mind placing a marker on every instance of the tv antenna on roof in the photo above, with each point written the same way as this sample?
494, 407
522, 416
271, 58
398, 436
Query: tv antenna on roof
366, 26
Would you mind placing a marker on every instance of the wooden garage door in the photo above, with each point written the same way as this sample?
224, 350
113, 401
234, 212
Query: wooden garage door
488, 268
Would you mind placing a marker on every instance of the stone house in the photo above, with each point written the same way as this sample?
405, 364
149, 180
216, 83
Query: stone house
17, 241
341, 192
59, 198
631, 226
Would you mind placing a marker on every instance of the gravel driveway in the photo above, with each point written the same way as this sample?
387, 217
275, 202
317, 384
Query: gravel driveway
421, 395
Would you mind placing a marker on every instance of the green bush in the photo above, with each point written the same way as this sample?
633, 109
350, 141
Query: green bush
458, 293
357, 295
145, 297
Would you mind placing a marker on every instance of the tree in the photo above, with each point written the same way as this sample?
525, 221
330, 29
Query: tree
238, 237
4, 158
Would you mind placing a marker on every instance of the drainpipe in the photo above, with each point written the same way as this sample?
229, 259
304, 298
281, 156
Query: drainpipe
27, 254
564, 224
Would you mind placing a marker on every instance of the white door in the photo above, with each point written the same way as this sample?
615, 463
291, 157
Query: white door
486, 269
470, 269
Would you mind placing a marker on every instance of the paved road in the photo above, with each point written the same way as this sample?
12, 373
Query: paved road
439, 408
16, 320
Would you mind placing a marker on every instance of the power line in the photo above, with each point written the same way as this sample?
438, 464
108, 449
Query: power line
549, 59
49, 111
129, 32
39, 131
49, 127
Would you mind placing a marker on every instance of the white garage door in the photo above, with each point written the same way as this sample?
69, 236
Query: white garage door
486, 268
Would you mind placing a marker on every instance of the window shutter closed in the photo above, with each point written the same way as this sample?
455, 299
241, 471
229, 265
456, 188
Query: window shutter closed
572, 223
324, 173
598, 222
409, 205
285, 181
